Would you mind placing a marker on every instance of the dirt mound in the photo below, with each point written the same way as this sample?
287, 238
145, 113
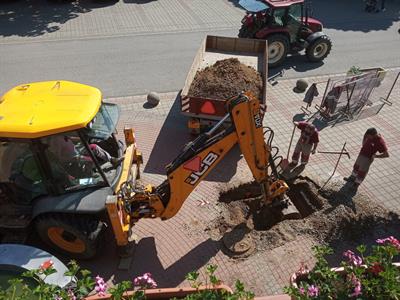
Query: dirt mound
333, 216
225, 79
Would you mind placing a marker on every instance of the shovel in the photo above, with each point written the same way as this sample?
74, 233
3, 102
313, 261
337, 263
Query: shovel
285, 161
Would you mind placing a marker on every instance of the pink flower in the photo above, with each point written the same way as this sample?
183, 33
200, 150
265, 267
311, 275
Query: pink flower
302, 291
71, 295
357, 286
348, 254
354, 259
313, 291
46, 265
391, 240
145, 281
101, 286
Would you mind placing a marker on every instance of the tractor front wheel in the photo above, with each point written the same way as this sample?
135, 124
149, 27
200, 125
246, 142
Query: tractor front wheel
278, 48
319, 49
74, 235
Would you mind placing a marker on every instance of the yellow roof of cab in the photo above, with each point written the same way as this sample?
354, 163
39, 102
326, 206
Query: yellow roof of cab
43, 108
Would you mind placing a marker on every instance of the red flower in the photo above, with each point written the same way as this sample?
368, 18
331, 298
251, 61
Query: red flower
376, 268
46, 265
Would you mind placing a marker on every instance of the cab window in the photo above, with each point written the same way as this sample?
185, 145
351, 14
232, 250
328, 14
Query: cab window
278, 17
20, 171
71, 165
294, 12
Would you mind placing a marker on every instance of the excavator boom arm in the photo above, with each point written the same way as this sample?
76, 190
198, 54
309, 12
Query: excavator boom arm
196, 161
202, 155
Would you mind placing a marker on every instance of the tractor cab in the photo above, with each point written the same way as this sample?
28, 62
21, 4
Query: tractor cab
293, 15
59, 159
287, 26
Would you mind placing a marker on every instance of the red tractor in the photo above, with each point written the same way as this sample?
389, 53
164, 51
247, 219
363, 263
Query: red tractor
287, 27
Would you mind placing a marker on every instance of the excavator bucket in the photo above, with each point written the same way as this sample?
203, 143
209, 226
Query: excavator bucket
289, 211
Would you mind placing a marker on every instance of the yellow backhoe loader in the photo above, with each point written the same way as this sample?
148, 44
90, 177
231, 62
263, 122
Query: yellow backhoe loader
192, 165
64, 173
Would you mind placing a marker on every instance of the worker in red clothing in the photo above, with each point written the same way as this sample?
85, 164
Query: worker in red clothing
372, 143
307, 143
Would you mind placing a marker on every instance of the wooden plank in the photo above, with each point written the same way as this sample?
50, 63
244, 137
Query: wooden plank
194, 68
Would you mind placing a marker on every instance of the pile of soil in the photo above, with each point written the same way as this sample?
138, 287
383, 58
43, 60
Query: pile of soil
330, 217
225, 79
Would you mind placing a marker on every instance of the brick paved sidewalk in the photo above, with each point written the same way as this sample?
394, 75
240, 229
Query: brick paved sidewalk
33, 20
172, 248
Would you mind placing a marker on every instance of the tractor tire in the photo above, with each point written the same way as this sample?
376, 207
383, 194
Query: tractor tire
278, 48
319, 49
77, 236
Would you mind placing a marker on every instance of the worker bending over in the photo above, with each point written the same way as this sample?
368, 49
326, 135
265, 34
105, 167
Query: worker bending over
307, 143
372, 143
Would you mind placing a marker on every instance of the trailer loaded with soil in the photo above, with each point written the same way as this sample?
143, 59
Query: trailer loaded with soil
222, 68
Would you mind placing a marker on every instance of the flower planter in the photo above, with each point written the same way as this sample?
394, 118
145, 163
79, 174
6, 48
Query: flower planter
296, 278
275, 297
167, 293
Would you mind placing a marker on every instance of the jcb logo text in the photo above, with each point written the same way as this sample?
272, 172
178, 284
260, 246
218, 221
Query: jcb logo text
258, 120
205, 165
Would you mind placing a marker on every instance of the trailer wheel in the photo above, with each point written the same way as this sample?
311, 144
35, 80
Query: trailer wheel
75, 235
278, 48
319, 49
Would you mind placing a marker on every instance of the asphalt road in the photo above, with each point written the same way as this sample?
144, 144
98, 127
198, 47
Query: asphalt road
136, 63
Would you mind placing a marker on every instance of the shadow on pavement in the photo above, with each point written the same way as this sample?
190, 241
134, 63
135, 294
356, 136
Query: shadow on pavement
30, 18
297, 62
146, 259
380, 228
171, 140
138, 1
348, 233
350, 15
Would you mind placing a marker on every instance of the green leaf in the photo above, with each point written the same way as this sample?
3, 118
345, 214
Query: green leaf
239, 286
192, 276
85, 273
214, 280
211, 269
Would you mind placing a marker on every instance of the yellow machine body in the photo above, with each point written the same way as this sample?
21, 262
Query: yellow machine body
44, 108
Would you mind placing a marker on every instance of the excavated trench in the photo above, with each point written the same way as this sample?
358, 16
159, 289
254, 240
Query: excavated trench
245, 226
246, 202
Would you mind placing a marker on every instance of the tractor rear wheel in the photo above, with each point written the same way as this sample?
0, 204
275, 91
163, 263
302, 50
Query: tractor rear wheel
75, 235
319, 49
278, 48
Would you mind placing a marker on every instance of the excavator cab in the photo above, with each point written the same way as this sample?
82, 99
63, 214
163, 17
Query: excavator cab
59, 160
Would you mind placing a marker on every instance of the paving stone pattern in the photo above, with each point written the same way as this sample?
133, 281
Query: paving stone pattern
174, 247
41, 20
